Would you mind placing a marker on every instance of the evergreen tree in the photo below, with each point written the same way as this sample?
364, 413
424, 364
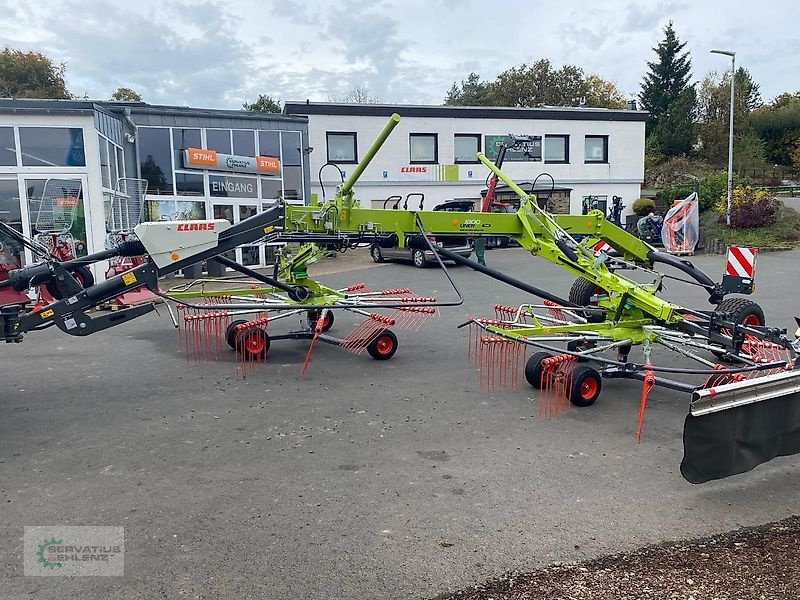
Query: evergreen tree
663, 85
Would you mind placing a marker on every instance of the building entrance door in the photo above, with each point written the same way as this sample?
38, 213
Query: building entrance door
236, 211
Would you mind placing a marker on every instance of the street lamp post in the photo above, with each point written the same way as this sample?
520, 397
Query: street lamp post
730, 135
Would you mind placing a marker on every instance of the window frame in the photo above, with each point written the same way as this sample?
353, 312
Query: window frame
354, 137
435, 160
562, 136
605, 150
474, 159
22, 155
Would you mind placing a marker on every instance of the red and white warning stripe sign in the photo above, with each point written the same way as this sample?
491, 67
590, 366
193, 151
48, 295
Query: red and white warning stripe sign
601, 246
741, 262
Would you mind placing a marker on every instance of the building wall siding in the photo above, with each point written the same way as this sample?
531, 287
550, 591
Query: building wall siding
621, 175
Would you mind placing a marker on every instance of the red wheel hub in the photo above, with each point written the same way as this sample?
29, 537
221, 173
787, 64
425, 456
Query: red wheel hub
254, 344
752, 321
588, 388
384, 344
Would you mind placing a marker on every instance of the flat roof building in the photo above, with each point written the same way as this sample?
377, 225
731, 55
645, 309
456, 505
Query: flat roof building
593, 151
198, 163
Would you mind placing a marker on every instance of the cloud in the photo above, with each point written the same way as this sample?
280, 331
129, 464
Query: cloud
217, 54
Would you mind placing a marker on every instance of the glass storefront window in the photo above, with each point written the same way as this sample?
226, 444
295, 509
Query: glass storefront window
64, 243
269, 143
271, 188
219, 140
189, 210
120, 162
10, 213
292, 183
245, 212
52, 147
251, 255
290, 143
104, 172
244, 142
189, 184
182, 139
8, 148
223, 211
155, 159
112, 162
231, 186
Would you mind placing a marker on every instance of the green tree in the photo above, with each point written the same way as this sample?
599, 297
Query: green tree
674, 133
471, 92
600, 93
665, 95
264, 103
667, 78
124, 94
778, 125
713, 126
31, 75
537, 84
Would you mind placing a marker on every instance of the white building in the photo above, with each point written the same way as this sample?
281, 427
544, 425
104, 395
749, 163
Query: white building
597, 152
198, 164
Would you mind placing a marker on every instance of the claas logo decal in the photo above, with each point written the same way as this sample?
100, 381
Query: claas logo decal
195, 226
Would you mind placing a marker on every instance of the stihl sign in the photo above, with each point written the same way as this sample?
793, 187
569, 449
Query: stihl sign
201, 158
196, 226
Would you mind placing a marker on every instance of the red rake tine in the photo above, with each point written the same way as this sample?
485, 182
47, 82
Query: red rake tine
352, 338
186, 336
317, 332
647, 385
490, 365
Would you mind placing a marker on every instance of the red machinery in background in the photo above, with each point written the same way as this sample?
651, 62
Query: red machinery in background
9, 262
126, 212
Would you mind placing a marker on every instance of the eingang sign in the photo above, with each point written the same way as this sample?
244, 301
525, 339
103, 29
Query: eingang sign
200, 158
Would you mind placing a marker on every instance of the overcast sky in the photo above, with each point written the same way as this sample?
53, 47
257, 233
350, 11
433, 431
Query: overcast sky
217, 54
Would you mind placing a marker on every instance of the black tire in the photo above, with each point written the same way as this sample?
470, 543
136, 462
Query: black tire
586, 386
81, 273
383, 346
418, 258
313, 315
376, 254
230, 332
533, 369
742, 311
583, 293
252, 344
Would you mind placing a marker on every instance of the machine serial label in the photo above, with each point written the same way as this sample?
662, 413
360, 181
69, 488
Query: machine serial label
47, 314
128, 278
269, 228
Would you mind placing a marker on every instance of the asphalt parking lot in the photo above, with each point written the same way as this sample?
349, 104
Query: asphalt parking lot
362, 479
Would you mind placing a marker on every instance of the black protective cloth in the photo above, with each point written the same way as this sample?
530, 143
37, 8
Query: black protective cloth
736, 440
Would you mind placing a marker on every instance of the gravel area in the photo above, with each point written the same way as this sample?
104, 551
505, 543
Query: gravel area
752, 563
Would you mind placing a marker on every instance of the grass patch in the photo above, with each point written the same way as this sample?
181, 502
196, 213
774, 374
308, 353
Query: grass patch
785, 233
